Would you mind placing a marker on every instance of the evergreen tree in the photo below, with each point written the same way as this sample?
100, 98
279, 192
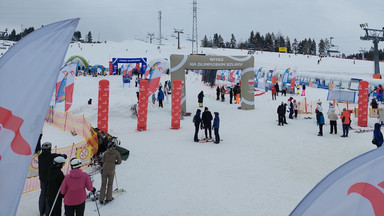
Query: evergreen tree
295, 46
221, 42
258, 41
268, 45
89, 37
12, 36
288, 45
322, 50
252, 40
312, 47
204, 42
232, 42
77, 35
215, 42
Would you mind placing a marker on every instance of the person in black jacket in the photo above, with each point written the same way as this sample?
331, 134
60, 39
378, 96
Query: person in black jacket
374, 103
230, 95
198, 123
218, 93
277, 88
281, 113
200, 98
207, 122
54, 180
45, 160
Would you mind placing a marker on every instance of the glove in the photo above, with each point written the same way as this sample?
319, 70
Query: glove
317, 123
94, 190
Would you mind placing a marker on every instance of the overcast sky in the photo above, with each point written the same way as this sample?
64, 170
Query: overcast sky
118, 20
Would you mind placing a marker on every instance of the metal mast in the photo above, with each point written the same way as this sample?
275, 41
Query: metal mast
160, 28
194, 29
376, 35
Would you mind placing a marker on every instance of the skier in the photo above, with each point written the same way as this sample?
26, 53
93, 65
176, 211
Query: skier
374, 103
218, 93
160, 97
216, 124
332, 116
320, 122
45, 160
277, 88
284, 90
281, 113
73, 189
345, 119
377, 135
207, 122
111, 158
298, 89
198, 123
200, 98
54, 180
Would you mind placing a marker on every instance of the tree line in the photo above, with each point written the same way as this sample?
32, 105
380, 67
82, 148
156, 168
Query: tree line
13, 36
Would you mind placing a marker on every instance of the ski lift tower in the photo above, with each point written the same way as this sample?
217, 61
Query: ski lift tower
194, 29
376, 35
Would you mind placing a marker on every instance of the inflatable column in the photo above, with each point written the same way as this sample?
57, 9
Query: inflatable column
176, 104
143, 106
363, 104
110, 68
103, 105
293, 82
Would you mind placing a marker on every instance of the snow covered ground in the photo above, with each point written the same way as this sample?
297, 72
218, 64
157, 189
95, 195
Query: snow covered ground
259, 168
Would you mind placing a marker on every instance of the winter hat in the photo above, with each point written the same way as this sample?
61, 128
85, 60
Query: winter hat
59, 161
46, 146
198, 111
113, 143
75, 163
216, 113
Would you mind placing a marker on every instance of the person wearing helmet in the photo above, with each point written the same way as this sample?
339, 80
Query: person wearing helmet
73, 189
110, 158
54, 180
45, 160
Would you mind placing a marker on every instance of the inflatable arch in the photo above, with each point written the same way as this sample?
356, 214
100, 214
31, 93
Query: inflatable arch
78, 59
180, 63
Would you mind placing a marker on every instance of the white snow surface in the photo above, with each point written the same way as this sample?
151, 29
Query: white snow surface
259, 168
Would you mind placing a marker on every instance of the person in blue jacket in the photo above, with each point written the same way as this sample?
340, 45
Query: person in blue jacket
160, 97
216, 124
377, 135
320, 122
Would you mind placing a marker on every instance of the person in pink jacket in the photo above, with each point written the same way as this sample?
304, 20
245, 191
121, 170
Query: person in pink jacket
73, 189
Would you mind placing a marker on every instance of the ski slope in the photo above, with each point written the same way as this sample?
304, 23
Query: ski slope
259, 168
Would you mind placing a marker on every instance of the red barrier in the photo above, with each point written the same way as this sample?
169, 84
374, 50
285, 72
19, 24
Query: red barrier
110, 68
143, 105
103, 105
363, 104
176, 104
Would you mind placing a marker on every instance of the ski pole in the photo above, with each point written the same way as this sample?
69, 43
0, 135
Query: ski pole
97, 206
54, 202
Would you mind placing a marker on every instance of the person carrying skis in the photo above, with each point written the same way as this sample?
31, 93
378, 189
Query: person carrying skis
45, 160
200, 98
198, 123
207, 122
216, 125
377, 135
111, 158
73, 189
160, 97
320, 121
345, 119
55, 178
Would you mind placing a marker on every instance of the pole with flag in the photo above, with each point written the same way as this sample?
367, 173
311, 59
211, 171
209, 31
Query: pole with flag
24, 101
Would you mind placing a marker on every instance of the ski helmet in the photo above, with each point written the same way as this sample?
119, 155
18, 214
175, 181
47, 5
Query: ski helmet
113, 143
75, 163
59, 160
46, 146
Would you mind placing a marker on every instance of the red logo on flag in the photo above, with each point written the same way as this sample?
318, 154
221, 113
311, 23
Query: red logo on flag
13, 123
371, 193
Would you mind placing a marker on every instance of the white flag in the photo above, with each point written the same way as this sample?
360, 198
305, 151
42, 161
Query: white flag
24, 101
355, 188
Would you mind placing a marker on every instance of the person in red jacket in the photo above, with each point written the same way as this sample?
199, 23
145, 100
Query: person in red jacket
345, 119
73, 189
273, 90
